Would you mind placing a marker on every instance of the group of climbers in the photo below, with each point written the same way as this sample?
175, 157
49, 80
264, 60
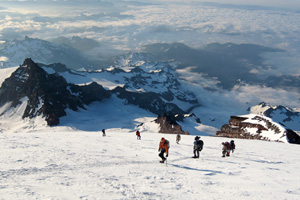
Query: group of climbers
164, 146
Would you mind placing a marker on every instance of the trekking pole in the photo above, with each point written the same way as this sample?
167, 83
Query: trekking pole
167, 162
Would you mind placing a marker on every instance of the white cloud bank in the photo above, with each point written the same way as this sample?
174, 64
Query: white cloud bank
130, 25
193, 23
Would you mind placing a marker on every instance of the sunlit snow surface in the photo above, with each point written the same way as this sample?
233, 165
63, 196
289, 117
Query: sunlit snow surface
62, 163
74, 161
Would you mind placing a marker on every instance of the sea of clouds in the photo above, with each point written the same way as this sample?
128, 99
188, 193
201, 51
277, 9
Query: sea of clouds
119, 26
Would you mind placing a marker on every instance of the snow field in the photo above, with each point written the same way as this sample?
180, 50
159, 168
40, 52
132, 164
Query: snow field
60, 163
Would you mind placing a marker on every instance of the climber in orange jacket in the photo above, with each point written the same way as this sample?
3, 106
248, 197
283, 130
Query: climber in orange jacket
163, 148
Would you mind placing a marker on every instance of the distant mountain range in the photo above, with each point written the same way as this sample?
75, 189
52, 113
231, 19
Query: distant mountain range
147, 80
48, 90
48, 93
42, 51
287, 117
229, 63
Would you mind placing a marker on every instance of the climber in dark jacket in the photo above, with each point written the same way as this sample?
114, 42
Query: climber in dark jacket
198, 146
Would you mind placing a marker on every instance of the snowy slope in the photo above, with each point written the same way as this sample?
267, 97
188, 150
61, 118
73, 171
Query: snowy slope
5, 73
111, 113
74, 161
61, 163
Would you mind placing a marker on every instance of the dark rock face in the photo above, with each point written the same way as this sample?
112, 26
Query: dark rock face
48, 94
168, 124
90, 93
148, 100
292, 137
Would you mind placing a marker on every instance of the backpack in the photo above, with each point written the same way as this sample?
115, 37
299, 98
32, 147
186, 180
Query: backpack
200, 144
232, 145
168, 143
227, 145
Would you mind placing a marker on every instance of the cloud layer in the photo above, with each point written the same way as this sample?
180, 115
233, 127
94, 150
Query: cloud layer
128, 25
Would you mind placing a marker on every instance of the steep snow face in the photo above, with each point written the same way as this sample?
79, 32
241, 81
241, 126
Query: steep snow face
5, 73
11, 120
62, 163
288, 117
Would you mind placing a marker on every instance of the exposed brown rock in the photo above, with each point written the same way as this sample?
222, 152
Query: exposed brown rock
237, 125
168, 124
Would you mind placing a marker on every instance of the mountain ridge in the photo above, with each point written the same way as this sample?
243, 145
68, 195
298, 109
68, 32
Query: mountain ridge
49, 94
136, 80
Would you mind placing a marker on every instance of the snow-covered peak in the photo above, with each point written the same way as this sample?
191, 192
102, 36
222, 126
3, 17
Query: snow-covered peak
158, 92
136, 73
265, 109
286, 116
260, 108
145, 61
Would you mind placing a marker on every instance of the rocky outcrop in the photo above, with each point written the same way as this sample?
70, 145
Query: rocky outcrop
252, 127
168, 124
150, 101
48, 94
